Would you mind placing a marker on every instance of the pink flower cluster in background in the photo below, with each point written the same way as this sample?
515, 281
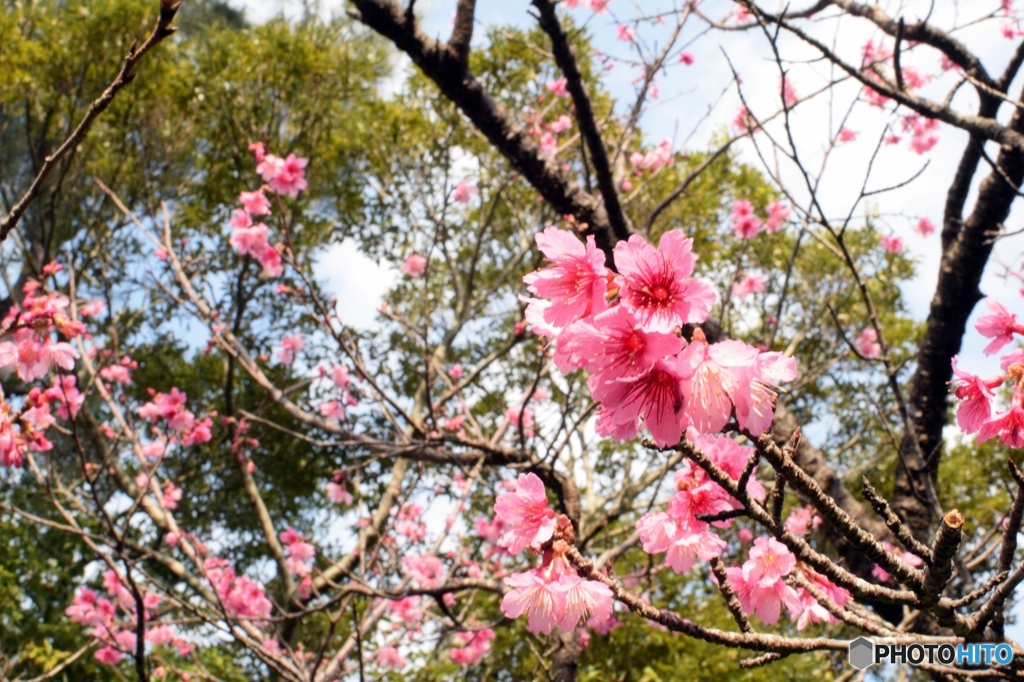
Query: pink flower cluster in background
33, 354
183, 425
112, 620
283, 177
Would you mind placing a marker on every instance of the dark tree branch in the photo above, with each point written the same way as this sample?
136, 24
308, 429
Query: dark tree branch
439, 63
585, 118
462, 33
898, 528
947, 542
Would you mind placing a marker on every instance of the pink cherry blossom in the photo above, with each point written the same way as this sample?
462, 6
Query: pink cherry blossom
389, 657
976, 397
655, 284
535, 595
575, 283
846, 135
558, 87
414, 266
922, 132
290, 345
763, 600
407, 609
778, 213
332, 410
455, 371
163, 405
748, 284
613, 346
625, 33
464, 191
655, 397
744, 122
474, 646
92, 308
686, 57
801, 519
251, 241
34, 356
172, 496
258, 150
690, 545
427, 571
513, 415
867, 344
714, 377
906, 557
924, 227
108, 656
270, 261
759, 584
654, 159
255, 203
809, 610
338, 493
285, 176
548, 144
525, 515
118, 373
1000, 326
584, 599
891, 243
561, 124
789, 95
1008, 425
240, 595
745, 224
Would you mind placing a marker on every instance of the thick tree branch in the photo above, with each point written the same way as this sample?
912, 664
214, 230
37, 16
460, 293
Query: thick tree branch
585, 118
462, 32
439, 63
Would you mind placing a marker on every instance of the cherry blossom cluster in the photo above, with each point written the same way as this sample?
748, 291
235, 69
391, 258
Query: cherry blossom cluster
975, 413
921, 130
747, 225
300, 555
112, 620
286, 177
762, 590
552, 595
547, 132
33, 352
241, 596
624, 330
180, 422
678, 531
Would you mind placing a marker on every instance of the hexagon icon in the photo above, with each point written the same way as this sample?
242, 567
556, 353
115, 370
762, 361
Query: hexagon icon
862, 653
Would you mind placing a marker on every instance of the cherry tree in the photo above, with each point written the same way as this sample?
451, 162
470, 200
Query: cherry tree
582, 408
